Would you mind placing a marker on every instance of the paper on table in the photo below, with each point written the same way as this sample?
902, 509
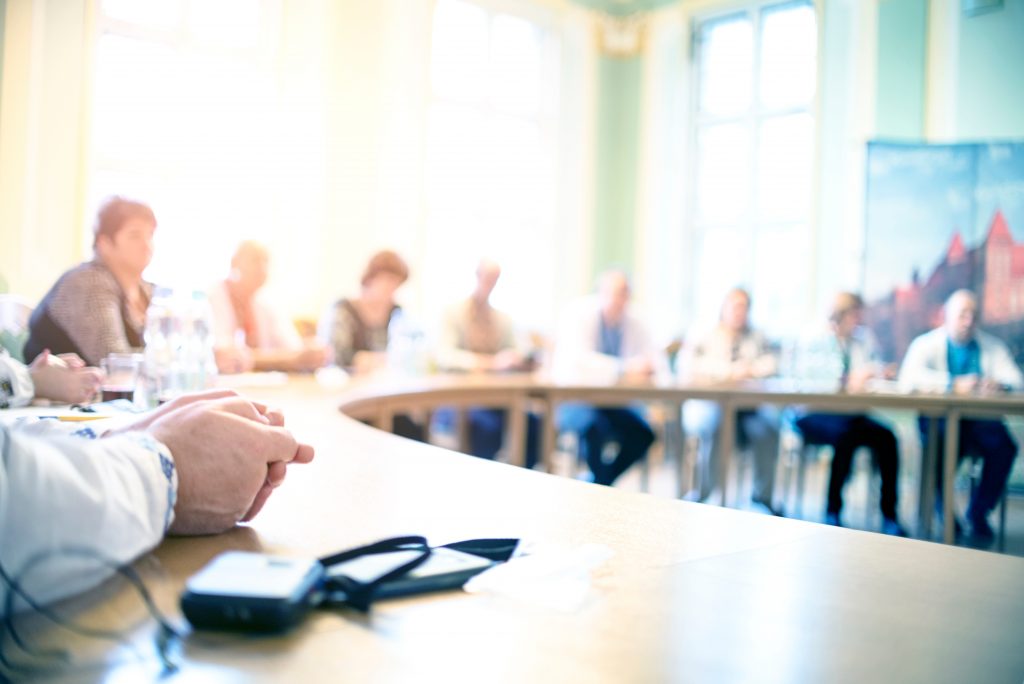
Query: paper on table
557, 578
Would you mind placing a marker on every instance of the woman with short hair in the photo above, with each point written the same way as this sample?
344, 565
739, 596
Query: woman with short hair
99, 307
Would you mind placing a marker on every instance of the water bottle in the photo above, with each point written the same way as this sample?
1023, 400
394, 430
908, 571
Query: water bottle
200, 362
179, 345
406, 350
163, 339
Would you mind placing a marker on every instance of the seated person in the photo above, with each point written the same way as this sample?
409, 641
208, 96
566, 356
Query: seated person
99, 307
733, 352
959, 358
199, 464
356, 330
248, 333
63, 378
855, 353
603, 342
478, 338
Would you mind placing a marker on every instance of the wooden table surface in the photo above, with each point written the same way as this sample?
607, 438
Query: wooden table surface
692, 593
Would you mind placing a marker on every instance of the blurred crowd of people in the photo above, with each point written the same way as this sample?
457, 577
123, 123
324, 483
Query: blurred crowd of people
99, 307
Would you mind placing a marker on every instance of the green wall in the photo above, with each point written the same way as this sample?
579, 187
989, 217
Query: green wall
990, 78
617, 160
900, 95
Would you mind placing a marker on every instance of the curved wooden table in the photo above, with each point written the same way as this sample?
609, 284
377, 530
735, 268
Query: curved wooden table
692, 593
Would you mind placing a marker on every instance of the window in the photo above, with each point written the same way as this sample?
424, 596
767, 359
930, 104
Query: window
187, 116
491, 157
754, 142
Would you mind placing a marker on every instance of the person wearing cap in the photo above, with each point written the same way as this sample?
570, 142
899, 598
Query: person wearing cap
99, 307
852, 348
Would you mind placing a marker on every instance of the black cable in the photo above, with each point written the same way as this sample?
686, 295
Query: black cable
165, 641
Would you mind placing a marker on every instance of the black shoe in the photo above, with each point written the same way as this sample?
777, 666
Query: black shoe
833, 519
981, 530
892, 527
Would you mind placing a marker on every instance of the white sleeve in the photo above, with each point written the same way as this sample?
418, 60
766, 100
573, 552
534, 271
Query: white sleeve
64, 498
916, 373
16, 387
1004, 369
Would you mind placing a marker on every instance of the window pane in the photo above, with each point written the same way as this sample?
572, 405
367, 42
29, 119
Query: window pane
723, 173
725, 261
515, 65
163, 14
454, 158
225, 23
784, 169
515, 167
132, 97
726, 66
780, 279
789, 46
459, 51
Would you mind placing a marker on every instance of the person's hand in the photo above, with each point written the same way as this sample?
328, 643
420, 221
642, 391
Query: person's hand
989, 386
230, 454
741, 370
276, 471
232, 360
857, 380
310, 358
144, 420
508, 360
965, 384
64, 378
637, 368
72, 360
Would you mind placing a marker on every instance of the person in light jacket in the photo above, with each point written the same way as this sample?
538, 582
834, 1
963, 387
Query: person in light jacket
959, 358
601, 342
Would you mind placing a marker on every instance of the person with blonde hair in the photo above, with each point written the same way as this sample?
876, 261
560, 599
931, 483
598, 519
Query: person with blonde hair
248, 332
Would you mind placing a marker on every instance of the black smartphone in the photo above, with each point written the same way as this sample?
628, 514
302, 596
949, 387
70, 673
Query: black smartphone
444, 569
239, 590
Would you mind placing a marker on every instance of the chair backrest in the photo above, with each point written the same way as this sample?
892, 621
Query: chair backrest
14, 314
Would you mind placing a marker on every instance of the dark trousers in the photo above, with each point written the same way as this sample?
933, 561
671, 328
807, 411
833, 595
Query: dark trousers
486, 427
988, 440
597, 427
404, 426
845, 434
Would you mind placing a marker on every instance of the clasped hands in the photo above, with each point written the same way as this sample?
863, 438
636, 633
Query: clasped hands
230, 454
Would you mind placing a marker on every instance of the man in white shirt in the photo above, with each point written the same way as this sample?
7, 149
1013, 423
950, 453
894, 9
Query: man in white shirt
197, 465
733, 352
959, 358
603, 343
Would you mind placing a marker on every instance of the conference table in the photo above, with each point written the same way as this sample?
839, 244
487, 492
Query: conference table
685, 591
379, 402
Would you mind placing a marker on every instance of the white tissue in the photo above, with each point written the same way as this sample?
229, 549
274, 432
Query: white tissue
556, 578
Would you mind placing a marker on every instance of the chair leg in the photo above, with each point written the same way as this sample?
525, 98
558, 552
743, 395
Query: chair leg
1002, 523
